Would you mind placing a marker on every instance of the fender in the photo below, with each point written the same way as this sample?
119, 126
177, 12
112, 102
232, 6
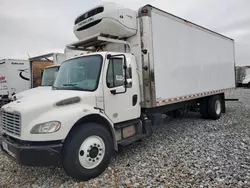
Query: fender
97, 117
70, 117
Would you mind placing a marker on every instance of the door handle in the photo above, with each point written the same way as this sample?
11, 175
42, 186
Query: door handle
134, 99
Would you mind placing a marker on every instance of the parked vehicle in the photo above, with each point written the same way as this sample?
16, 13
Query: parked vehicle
141, 64
243, 76
246, 78
48, 73
48, 78
18, 76
14, 78
44, 70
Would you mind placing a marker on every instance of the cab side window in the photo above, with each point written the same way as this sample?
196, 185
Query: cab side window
115, 75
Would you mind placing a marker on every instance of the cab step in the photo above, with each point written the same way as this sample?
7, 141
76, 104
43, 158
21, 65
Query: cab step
131, 139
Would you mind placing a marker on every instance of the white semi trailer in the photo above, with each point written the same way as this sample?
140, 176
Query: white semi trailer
143, 64
14, 78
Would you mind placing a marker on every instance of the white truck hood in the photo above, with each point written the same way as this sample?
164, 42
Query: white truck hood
42, 107
30, 92
45, 101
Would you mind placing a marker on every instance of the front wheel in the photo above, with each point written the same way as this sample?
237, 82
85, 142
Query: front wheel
87, 151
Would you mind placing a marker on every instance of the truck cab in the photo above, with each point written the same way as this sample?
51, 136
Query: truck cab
100, 76
92, 99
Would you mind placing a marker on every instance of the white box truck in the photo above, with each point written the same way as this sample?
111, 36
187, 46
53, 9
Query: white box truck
142, 64
44, 70
14, 78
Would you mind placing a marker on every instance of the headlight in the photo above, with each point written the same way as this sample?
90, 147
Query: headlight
45, 128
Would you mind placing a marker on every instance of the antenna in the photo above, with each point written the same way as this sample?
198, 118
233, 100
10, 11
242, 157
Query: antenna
28, 55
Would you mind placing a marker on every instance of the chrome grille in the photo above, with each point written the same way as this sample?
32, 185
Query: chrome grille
11, 123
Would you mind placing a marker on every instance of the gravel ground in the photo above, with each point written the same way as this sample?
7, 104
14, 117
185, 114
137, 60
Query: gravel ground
187, 152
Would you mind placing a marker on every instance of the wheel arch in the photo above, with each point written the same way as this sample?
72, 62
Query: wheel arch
95, 118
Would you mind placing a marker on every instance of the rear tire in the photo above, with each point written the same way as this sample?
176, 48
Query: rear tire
215, 107
87, 151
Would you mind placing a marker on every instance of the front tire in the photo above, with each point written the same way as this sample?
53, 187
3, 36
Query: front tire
87, 151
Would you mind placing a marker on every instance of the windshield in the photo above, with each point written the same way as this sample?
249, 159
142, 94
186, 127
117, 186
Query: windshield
79, 74
49, 76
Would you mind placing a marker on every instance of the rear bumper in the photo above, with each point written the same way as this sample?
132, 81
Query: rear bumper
32, 153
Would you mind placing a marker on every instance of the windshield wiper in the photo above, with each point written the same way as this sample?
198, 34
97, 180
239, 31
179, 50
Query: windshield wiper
73, 85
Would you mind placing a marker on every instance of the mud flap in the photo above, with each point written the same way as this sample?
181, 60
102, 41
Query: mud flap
223, 103
147, 128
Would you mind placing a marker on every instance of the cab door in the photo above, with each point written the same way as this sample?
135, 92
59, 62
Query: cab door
121, 101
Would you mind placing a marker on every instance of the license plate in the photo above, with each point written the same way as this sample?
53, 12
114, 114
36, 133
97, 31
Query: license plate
6, 148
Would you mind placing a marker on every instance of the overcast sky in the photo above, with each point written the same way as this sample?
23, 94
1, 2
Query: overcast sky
35, 27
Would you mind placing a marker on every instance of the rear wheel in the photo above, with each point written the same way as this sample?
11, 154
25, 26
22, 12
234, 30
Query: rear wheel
87, 151
214, 107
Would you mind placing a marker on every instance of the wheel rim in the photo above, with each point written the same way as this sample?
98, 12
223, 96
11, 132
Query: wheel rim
217, 107
91, 152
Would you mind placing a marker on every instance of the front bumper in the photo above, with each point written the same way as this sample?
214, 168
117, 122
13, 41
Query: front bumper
32, 153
